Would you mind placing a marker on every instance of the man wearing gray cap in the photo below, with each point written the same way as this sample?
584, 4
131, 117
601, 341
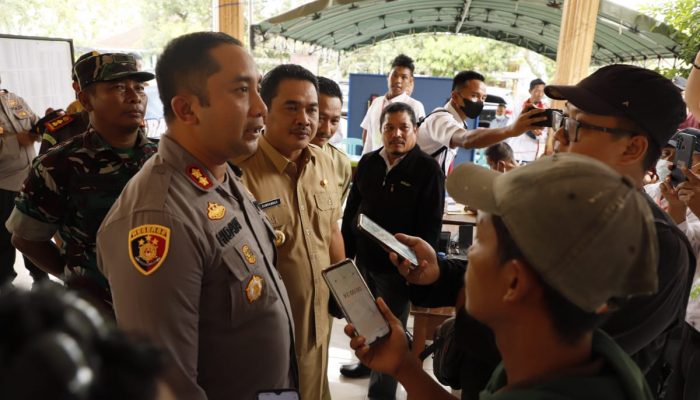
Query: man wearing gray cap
70, 188
543, 286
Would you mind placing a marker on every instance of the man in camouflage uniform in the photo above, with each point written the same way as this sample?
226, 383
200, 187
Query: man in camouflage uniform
16, 154
58, 126
72, 187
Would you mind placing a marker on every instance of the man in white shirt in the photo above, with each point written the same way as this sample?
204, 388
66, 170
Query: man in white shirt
400, 79
445, 130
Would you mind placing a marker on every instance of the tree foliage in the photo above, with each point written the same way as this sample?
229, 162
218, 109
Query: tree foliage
682, 15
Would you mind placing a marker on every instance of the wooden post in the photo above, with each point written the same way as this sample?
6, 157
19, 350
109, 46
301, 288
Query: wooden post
576, 35
231, 18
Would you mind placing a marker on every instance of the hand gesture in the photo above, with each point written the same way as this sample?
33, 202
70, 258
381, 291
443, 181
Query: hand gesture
525, 122
387, 354
427, 271
26, 139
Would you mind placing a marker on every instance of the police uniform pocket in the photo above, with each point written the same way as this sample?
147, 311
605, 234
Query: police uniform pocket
250, 288
23, 117
326, 201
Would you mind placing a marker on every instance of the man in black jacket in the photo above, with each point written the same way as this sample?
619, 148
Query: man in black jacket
403, 190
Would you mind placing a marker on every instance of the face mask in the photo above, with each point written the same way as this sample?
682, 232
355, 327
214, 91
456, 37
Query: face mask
662, 169
471, 109
501, 116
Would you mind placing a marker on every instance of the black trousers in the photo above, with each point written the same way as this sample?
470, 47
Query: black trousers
7, 251
393, 289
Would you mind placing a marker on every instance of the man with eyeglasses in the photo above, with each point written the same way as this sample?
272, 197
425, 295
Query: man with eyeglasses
614, 116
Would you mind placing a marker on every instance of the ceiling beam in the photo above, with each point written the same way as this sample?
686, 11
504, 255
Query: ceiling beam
465, 11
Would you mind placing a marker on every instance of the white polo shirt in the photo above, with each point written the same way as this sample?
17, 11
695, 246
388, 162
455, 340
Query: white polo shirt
436, 132
371, 121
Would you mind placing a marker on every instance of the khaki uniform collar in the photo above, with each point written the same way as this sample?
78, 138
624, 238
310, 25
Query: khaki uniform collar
278, 160
197, 175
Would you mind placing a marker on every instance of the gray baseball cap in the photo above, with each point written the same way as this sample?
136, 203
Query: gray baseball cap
584, 228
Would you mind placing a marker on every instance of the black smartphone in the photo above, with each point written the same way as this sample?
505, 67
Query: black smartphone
386, 240
553, 120
279, 394
685, 146
355, 300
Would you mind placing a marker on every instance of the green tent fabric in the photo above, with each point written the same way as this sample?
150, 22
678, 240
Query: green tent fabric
622, 35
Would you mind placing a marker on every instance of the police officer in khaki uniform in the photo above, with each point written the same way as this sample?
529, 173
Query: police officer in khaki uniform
16, 155
296, 186
188, 255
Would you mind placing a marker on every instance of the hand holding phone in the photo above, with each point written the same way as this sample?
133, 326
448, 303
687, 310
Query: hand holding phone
685, 145
355, 300
386, 240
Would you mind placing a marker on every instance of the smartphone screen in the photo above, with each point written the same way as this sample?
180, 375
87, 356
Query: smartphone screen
684, 157
386, 240
355, 300
282, 394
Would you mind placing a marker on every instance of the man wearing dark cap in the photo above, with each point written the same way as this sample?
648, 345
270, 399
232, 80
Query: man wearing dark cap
546, 268
614, 116
58, 125
16, 154
70, 189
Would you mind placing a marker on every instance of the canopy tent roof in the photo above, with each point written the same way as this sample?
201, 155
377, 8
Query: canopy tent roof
622, 35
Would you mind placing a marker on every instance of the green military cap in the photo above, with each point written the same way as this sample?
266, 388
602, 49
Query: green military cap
109, 67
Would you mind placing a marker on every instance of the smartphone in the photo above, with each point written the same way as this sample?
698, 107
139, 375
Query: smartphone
355, 300
386, 240
554, 117
685, 145
280, 394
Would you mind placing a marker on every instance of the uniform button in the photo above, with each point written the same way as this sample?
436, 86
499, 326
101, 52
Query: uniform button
301, 208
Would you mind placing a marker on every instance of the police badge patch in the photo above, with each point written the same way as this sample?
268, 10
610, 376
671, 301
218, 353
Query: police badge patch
148, 247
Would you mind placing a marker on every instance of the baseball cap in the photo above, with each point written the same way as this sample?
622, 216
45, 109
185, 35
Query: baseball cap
109, 67
652, 101
583, 227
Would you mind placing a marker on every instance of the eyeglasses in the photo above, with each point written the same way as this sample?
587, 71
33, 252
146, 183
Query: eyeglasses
571, 127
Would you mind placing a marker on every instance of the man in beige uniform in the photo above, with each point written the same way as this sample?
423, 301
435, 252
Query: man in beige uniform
296, 186
188, 255
330, 104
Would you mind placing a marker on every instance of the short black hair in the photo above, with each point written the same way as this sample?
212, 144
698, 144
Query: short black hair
569, 320
271, 81
405, 61
462, 77
536, 82
652, 155
187, 63
329, 88
397, 108
499, 152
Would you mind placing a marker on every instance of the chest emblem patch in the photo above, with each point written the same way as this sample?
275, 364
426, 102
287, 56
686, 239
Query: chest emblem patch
215, 211
254, 288
148, 247
248, 254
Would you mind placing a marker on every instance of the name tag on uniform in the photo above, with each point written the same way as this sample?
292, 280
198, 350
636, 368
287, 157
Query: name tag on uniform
269, 203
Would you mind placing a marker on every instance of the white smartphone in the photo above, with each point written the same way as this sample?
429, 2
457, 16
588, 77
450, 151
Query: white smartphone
280, 394
386, 240
355, 300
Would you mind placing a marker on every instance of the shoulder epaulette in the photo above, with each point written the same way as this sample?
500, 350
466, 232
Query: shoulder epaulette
58, 123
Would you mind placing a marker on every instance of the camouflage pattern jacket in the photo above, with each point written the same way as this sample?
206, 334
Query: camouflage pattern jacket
70, 189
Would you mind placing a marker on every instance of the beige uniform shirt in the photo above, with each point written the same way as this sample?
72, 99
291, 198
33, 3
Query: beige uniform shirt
302, 205
343, 169
190, 262
15, 159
